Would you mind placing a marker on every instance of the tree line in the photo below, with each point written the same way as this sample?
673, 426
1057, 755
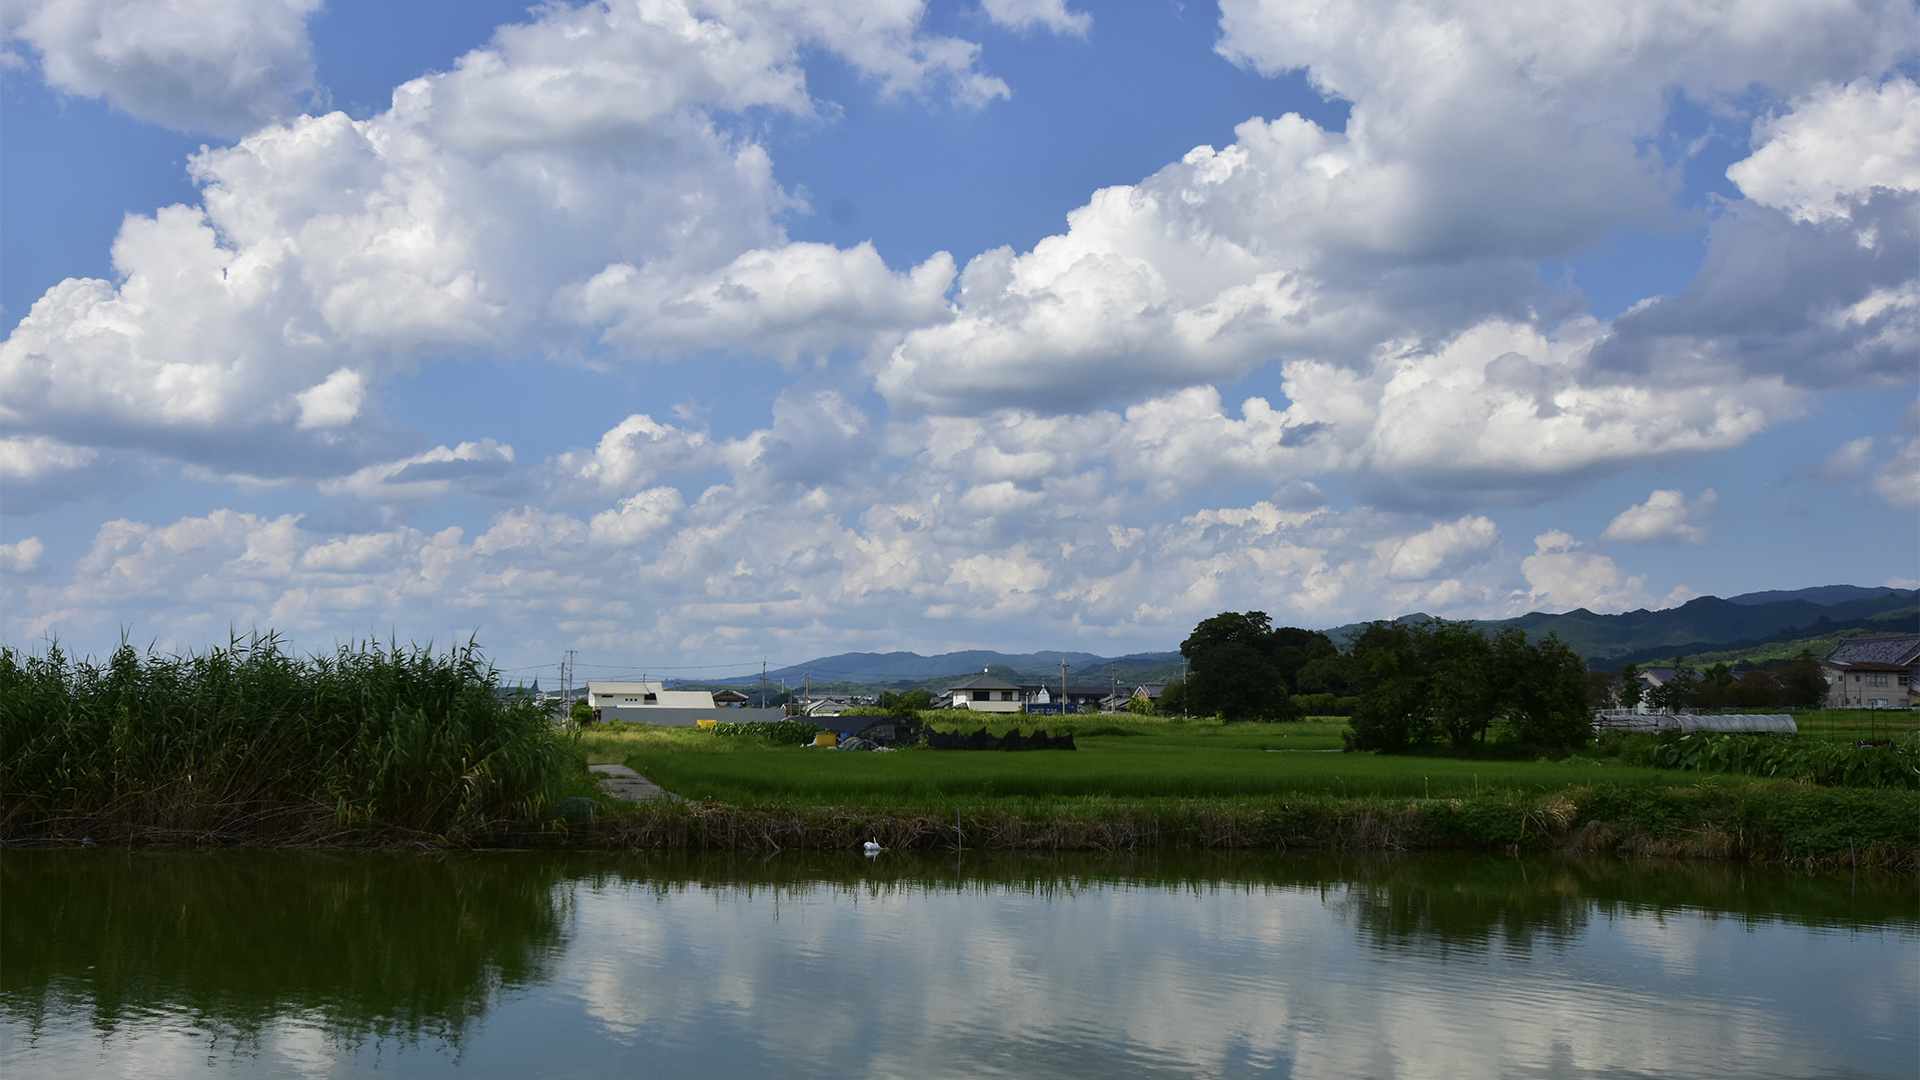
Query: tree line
1796, 685
1420, 684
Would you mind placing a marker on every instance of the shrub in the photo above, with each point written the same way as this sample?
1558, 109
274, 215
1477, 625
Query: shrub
1327, 705
1832, 764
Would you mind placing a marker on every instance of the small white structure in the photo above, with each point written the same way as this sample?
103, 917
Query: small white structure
644, 695
1727, 723
650, 702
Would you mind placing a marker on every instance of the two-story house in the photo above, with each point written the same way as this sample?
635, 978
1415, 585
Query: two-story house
1873, 673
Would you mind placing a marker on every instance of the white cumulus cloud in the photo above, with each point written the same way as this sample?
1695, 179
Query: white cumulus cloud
572, 176
333, 401
1561, 575
1665, 516
1420, 556
1027, 14
224, 67
22, 556
1834, 147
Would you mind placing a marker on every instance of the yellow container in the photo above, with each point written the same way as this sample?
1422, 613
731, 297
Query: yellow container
708, 725
826, 738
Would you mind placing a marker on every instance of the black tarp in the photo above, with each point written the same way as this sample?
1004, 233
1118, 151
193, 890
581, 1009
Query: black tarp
1012, 740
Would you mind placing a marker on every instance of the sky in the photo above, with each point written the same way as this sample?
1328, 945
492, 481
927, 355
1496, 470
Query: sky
683, 333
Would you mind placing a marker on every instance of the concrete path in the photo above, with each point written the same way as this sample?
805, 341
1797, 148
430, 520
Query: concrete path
623, 783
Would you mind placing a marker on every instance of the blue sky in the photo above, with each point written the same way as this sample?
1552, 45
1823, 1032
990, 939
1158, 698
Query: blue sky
693, 332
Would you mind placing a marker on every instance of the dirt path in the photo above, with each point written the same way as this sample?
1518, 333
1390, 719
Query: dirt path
623, 783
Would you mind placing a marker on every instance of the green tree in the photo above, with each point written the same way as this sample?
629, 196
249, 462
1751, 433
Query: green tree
1325, 675
1632, 690
1715, 689
582, 713
1422, 682
1293, 650
1603, 689
1462, 678
1759, 690
905, 704
1232, 672
1544, 692
1385, 667
1804, 684
1173, 700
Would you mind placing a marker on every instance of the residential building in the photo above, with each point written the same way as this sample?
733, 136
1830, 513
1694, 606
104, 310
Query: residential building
1873, 673
649, 702
986, 693
644, 695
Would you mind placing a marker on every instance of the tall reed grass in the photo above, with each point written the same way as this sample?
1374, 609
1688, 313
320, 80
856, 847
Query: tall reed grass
249, 743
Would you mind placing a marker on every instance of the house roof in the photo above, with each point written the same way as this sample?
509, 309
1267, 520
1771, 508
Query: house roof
983, 681
609, 686
1888, 652
1151, 690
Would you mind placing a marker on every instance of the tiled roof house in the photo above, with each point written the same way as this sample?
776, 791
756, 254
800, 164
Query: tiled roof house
1873, 673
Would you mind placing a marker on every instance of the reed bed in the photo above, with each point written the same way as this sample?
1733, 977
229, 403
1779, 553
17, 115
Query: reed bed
249, 744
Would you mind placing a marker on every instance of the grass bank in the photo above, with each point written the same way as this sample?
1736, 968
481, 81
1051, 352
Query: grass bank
1811, 828
247, 744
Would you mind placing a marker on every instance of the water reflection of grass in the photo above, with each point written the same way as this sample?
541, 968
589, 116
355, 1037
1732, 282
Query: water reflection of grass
381, 946
397, 950
1457, 895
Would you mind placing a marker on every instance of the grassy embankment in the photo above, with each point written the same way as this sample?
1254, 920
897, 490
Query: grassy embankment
1144, 782
249, 745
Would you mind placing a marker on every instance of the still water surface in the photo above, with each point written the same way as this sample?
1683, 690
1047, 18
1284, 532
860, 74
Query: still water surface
169, 963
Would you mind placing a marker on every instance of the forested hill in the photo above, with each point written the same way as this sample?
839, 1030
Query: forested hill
906, 669
1711, 624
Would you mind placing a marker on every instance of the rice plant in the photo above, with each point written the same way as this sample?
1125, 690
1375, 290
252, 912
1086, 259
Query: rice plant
248, 742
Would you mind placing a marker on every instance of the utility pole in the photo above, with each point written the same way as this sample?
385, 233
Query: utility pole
1183, 688
763, 682
1113, 683
566, 685
1063, 689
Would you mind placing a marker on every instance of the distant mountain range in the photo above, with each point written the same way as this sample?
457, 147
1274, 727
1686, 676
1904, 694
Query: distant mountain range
906, 670
1711, 624
1708, 624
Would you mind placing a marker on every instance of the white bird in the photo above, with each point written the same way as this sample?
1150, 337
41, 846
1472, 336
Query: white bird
873, 847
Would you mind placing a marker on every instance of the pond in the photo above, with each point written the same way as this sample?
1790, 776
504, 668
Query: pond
155, 963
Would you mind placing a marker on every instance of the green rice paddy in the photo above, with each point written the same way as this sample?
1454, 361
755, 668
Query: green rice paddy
1117, 760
